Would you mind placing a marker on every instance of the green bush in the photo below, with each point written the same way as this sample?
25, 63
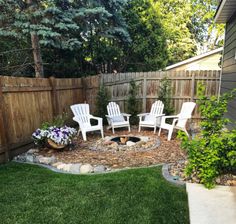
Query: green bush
213, 151
132, 103
165, 95
101, 103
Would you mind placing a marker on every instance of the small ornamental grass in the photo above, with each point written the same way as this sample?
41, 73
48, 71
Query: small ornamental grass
59, 135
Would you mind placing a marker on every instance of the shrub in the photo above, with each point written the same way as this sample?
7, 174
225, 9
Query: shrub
213, 151
132, 102
101, 103
165, 95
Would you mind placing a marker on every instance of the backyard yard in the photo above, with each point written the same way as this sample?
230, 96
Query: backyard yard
31, 194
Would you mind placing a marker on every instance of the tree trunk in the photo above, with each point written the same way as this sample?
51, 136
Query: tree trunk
38, 64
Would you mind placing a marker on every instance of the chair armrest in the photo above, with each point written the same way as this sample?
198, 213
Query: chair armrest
143, 114
127, 115
160, 115
171, 116
96, 118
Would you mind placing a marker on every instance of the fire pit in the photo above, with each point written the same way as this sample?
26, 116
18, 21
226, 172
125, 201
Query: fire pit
126, 143
126, 140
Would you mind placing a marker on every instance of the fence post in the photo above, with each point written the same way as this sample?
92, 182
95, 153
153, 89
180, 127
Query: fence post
55, 103
3, 125
192, 86
144, 93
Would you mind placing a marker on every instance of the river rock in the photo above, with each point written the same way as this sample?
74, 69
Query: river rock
99, 169
75, 168
86, 168
29, 158
47, 160
130, 143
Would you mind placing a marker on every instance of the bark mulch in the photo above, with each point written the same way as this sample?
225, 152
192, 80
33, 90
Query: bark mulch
167, 152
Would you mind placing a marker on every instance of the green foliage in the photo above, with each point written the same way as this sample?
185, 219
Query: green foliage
58, 121
165, 95
132, 102
102, 101
213, 151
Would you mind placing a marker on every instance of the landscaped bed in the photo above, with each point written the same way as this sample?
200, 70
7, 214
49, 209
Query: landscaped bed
31, 194
83, 152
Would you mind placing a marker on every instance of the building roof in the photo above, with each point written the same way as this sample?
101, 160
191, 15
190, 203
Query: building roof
225, 10
218, 50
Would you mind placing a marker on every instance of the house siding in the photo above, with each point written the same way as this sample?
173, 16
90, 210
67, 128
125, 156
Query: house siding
228, 80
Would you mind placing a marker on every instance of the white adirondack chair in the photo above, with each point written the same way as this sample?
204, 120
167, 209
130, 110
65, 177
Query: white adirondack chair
115, 118
83, 117
179, 120
152, 119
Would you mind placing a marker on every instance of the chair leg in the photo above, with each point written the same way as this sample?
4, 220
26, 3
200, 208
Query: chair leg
170, 134
84, 136
113, 131
129, 128
139, 128
159, 132
102, 133
155, 128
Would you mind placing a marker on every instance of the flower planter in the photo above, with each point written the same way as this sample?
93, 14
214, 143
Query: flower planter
53, 145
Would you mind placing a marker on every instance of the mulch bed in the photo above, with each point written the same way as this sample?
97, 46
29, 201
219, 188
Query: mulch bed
167, 152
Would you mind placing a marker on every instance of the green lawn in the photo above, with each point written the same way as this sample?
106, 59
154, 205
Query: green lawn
31, 194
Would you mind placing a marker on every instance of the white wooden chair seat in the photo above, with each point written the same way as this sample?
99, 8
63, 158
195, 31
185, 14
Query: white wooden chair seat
179, 121
83, 117
115, 118
152, 119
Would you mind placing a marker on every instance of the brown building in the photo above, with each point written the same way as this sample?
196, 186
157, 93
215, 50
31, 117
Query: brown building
206, 61
226, 13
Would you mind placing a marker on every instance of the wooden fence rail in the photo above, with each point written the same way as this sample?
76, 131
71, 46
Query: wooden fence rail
25, 103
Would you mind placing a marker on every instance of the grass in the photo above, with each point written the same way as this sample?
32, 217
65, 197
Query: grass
31, 194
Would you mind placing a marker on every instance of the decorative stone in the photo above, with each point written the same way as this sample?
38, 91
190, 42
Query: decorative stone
99, 169
86, 168
47, 160
130, 143
29, 158
37, 158
57, 164
61, 166
32, 151
75, 168
67, 167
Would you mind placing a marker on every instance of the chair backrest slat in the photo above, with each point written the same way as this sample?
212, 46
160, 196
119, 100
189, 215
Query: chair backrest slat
81, 111
185, 113
113, 109
157, 108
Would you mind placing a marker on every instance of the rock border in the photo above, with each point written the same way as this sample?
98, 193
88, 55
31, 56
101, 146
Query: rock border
166, 174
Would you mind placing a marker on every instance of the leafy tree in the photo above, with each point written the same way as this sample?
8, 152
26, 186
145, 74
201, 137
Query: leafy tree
147, 51
207, 33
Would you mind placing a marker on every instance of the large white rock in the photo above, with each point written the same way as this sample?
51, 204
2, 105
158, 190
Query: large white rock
47, 160
86, 168
130, 143
75, 168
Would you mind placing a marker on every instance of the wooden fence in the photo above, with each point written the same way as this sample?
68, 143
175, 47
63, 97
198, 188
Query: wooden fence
27, 102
